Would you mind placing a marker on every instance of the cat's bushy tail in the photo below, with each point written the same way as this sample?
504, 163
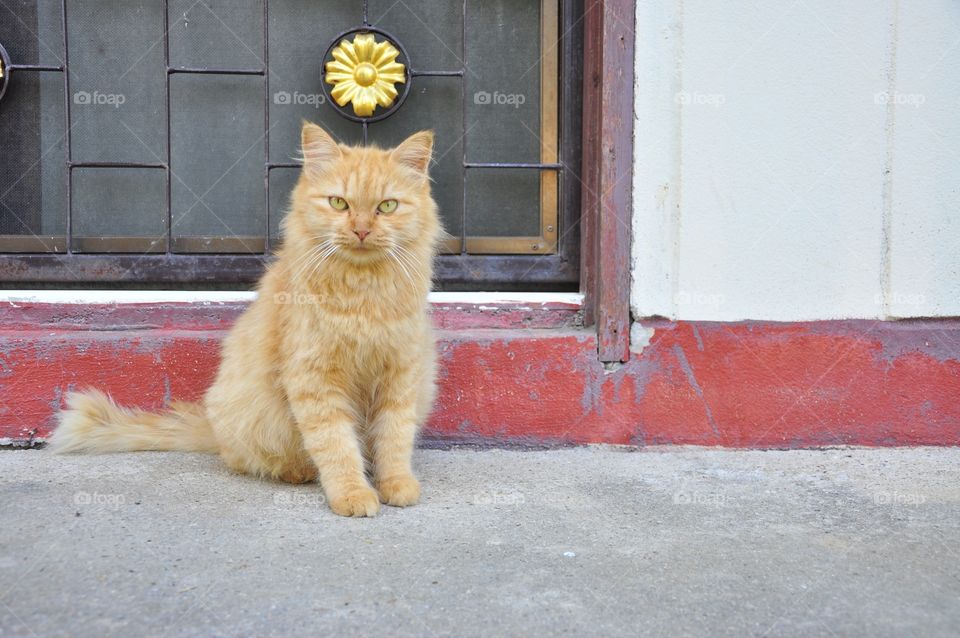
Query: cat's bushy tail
93, 423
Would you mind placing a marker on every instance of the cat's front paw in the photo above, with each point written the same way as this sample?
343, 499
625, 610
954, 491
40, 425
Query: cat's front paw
361, 501
399, 491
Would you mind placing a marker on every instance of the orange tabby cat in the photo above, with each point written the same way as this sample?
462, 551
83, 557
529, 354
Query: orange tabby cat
334, 363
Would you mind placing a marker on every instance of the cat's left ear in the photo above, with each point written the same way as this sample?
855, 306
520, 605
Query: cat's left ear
415, 151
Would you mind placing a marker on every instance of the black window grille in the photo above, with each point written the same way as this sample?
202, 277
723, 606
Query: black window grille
150, 142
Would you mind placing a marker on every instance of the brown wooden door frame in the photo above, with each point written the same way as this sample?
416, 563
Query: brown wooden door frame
607, 160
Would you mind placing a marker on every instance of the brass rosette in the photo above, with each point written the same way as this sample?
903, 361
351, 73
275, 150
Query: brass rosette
365, 74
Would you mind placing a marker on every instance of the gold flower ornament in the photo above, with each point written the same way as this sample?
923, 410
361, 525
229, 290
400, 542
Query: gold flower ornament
363, 72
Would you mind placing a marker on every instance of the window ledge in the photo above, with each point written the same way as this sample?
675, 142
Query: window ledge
217, 310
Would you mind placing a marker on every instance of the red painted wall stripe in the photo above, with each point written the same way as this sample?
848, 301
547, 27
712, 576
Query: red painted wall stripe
755, 385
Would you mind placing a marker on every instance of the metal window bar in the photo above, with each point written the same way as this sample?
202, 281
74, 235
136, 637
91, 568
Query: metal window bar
560, 168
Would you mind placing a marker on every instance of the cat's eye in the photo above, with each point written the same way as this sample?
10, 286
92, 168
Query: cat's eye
387, 206
339, 203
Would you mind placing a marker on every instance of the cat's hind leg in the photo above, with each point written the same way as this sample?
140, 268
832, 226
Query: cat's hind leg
260, 439
298, 469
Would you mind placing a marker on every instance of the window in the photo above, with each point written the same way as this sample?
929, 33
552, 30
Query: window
151, 142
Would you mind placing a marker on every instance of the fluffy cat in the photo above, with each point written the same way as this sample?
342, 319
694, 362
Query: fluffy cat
331, 370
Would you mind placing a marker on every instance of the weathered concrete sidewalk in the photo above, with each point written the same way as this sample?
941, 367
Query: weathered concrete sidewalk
580, 542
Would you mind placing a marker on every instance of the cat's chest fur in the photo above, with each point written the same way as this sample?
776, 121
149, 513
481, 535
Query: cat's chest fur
363, 329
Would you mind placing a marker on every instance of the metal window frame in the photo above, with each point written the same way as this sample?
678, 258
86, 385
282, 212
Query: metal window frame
68, 266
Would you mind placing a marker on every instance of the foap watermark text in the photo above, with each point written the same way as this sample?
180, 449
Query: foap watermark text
296, 98
96, 98
483, 98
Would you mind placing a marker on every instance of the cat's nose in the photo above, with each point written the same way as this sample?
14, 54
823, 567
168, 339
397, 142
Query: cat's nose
362, 234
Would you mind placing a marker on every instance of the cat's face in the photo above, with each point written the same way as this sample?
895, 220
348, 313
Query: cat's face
365, 203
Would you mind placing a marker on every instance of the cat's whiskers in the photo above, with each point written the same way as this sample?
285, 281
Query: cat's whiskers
299, 258
323, 257
403, 257
416, 274
296, 267
396, 257
306, 255
410, 260
315, 255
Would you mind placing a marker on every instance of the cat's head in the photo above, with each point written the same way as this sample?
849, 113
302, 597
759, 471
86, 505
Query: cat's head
367, 202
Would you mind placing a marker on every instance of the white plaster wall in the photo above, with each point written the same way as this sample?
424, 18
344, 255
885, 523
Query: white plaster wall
797, 159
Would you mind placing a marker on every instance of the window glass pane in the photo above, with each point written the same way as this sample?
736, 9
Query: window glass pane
119, 203
300, 31
503, 81
117, 78
503, 202
430, 31
220, 141
33, 161
225, 34
429, 107
282, 181
217, 158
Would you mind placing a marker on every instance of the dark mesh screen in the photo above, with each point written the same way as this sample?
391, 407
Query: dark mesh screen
32, 145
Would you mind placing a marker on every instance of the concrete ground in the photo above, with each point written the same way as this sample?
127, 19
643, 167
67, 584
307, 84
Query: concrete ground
675, 542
